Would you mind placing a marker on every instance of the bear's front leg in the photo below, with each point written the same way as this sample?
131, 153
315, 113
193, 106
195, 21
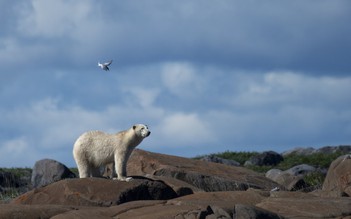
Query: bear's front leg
121, 168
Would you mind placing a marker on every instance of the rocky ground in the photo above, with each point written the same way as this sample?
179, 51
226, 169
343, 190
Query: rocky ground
167, 186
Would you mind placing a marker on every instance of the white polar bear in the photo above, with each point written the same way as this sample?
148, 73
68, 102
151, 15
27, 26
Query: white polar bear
96, 149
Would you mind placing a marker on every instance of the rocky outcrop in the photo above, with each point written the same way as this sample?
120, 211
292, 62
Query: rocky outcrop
96, 192
215, 159
267, 158
173, 187
292, 179
11, 211
206, 176
301, 169
344, 149
338, 179
47, 171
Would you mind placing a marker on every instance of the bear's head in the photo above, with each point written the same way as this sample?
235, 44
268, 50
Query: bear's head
141, 130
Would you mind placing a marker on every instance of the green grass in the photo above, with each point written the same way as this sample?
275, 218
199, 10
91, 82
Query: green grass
22, 176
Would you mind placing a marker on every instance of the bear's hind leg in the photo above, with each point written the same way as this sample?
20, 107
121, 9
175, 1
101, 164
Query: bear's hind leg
95, 172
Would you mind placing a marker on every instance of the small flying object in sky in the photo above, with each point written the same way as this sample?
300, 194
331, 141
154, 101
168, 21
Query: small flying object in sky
105, 65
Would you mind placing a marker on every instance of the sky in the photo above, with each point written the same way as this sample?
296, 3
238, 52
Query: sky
205, 76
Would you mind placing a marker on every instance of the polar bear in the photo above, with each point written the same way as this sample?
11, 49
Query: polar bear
96, 149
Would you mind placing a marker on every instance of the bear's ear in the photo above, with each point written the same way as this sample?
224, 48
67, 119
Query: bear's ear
134, 127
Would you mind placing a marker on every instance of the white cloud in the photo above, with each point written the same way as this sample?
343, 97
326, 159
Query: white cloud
16, 153
277, 89
54, 18
145, 97
182, 129
181, 79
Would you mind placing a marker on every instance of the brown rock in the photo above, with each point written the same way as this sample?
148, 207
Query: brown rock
144, 210
180, 187
338, 178
109, 212
199, 205
96, 192
252, 212
304, 205
290, 182
206, 176
11, 211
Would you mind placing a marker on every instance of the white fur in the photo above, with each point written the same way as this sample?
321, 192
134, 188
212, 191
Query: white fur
95, 149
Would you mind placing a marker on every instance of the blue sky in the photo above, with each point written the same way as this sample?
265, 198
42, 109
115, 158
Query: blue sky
206, 76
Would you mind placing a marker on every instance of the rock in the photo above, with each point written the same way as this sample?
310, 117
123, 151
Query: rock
96, 192
338, 178
273, 174
268, 158
290, 182
11, 211
205, 176
299, 151
180, 187
47, 171
215, 159
291, 179
306, 206
345, 149
224, 200
141, 209
302, 169
252, 212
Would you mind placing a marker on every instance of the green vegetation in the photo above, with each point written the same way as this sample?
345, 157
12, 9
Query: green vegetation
18, 172
318, 160
16, 185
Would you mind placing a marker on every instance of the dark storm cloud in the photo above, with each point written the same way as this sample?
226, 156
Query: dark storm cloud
298, 35
206, 76
310, 36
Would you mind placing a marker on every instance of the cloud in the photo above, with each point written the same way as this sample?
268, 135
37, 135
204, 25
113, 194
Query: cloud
180, 129
16, 149
180, 79
65, 18
229, 74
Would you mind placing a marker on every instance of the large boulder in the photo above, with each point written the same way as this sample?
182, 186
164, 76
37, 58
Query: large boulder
302, 169
47, 171
206, 176
292, 179
338, 179
291, 182
267, 158
96, 192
